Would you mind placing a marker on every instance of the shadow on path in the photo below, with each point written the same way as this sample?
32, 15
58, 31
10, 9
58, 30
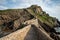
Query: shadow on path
35, 34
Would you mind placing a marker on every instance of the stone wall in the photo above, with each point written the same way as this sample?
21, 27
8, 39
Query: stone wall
30, 32
18, 35
32, 21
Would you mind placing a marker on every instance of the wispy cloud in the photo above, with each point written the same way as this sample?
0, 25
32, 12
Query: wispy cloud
14, 0
3, 7
3, 2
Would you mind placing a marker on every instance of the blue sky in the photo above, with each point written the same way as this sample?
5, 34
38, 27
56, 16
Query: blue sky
50, 6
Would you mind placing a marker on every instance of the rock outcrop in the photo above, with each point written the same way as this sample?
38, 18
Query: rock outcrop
32, 22
16, 21
27, 33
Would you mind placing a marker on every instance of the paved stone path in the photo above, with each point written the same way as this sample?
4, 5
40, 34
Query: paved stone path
27, 33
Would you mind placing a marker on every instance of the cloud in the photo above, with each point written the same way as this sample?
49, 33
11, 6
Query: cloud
14, 0
53, 11
3, 7
23, 3
3, 2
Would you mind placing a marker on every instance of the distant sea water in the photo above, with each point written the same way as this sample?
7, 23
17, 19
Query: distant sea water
57, 29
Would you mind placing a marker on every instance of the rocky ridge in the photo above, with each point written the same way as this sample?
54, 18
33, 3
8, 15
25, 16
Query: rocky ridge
30, 32
12, 20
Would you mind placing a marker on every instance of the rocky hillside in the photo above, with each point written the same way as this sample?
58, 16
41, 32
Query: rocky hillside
27, 14
29, 32
12, 20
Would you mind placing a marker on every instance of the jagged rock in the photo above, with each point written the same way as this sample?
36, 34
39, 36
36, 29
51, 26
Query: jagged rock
14, 19
17, 24
27, 33
36, 9
1, 22
32, 21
